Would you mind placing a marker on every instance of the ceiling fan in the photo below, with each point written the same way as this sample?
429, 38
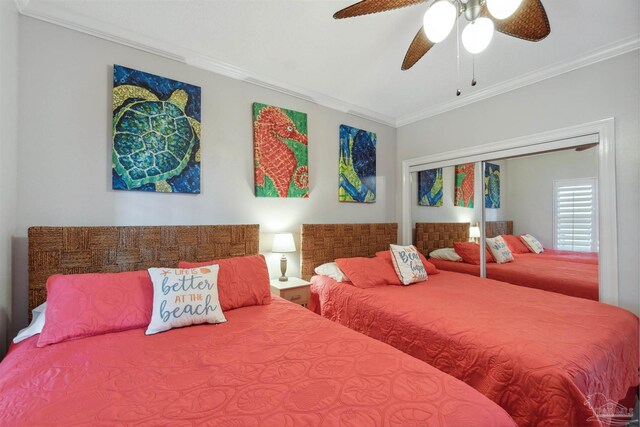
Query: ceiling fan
523, 19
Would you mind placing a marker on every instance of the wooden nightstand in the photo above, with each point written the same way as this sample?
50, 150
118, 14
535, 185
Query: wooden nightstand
295, 290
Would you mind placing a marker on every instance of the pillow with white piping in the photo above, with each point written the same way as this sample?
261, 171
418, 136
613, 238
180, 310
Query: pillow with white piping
499, 250
36, 325
448, 254
184, 297
332, 270
407, 263
532, 243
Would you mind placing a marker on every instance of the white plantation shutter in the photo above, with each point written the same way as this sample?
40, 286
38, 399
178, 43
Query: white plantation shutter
575, 206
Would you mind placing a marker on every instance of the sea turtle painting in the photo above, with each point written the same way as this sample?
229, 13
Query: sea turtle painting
491, 185
357, 165
430, 186
156, 133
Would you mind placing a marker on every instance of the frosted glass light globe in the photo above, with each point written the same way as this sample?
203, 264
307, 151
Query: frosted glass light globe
477, 35
438, 20
502, 9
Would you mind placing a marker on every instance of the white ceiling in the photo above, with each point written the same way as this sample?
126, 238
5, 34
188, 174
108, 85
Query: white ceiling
354, 64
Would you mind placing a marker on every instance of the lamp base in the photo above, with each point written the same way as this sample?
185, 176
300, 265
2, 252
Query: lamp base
283, 268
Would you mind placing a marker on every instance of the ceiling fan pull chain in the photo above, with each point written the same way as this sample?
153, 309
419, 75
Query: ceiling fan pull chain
458, 57
473, 67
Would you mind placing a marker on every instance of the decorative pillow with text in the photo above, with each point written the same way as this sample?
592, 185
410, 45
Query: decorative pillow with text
499, 250
184, 297
532, 243
408, 265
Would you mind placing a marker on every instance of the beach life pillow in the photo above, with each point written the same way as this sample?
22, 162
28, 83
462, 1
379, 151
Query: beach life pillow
332, 270
470, 252
184, 297
515, 244
430, 267
407, 263
532, 243
242, 281
447, 254
83, 305
499, 250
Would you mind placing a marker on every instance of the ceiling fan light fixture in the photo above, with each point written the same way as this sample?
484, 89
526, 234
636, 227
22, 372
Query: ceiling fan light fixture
502, 9
477, 35
438, 20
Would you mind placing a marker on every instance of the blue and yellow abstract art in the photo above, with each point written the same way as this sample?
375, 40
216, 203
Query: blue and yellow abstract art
491, 186
156, 133
430, 187
357, 166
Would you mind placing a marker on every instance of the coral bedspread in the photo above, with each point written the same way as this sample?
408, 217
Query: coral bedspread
570, 256
272, 365
536, 271
537, 354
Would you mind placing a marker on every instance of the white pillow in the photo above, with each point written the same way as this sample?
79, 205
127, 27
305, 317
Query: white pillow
407, 263
36, 325
332, 270
499, 249
448, 254
183, 297
532, 243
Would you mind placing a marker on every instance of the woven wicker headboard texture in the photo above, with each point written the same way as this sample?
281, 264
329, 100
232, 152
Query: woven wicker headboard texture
436, 235
325, 242
496, 228
68, 250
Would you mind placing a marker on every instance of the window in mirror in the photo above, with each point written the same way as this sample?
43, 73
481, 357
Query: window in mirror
574, 218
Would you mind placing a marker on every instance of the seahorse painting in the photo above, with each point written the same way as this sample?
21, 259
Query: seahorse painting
430, 187
357, 165
280, 152
464, 185
491, 185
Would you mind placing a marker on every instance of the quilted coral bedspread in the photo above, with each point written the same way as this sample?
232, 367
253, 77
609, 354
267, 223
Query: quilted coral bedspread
536, 271
541, 356
559, 255
272, 365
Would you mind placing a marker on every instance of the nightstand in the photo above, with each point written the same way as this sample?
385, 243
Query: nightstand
295, 290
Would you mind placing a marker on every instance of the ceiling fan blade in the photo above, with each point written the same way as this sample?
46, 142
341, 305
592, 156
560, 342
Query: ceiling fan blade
419, 46
366, 7
529, 22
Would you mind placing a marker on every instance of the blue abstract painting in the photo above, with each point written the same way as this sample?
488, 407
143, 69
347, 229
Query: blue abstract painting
357, 165
491, 186
156, 133
430, 187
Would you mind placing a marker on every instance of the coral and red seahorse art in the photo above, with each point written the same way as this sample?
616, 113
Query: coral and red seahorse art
464, 192
273, 158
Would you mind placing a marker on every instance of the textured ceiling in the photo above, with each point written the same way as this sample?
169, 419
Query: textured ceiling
357, 61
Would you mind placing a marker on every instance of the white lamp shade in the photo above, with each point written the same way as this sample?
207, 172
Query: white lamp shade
502, 9
438, 20
474, 232
477, 35
283, 242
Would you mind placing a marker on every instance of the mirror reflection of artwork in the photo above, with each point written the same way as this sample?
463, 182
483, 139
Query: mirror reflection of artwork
464, 185
357, 165
491, 185
280, 152
430, 187
156, 133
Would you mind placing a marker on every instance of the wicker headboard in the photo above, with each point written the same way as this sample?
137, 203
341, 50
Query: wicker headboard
325, 242
436, 235
68, 250
496, 228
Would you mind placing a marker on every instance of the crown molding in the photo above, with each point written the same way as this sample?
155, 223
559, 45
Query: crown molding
606, 52
49, 12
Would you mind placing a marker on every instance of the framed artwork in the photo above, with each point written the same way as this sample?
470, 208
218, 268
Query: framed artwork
430, 187
156, 133
464, 185
491, 186
357, 165
281, 166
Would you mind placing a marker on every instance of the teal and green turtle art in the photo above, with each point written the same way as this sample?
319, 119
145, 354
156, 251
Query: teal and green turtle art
156, 133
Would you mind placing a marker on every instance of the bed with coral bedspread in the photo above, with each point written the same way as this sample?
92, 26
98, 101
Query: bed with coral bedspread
272, 364
566, 272
542, 356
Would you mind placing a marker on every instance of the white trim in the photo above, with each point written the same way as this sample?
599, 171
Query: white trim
50, 12
545, 141
606, 52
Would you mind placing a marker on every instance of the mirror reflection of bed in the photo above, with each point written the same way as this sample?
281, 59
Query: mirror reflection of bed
550, 196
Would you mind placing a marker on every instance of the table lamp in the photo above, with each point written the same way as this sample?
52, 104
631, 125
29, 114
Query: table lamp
474, 233
283, 243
